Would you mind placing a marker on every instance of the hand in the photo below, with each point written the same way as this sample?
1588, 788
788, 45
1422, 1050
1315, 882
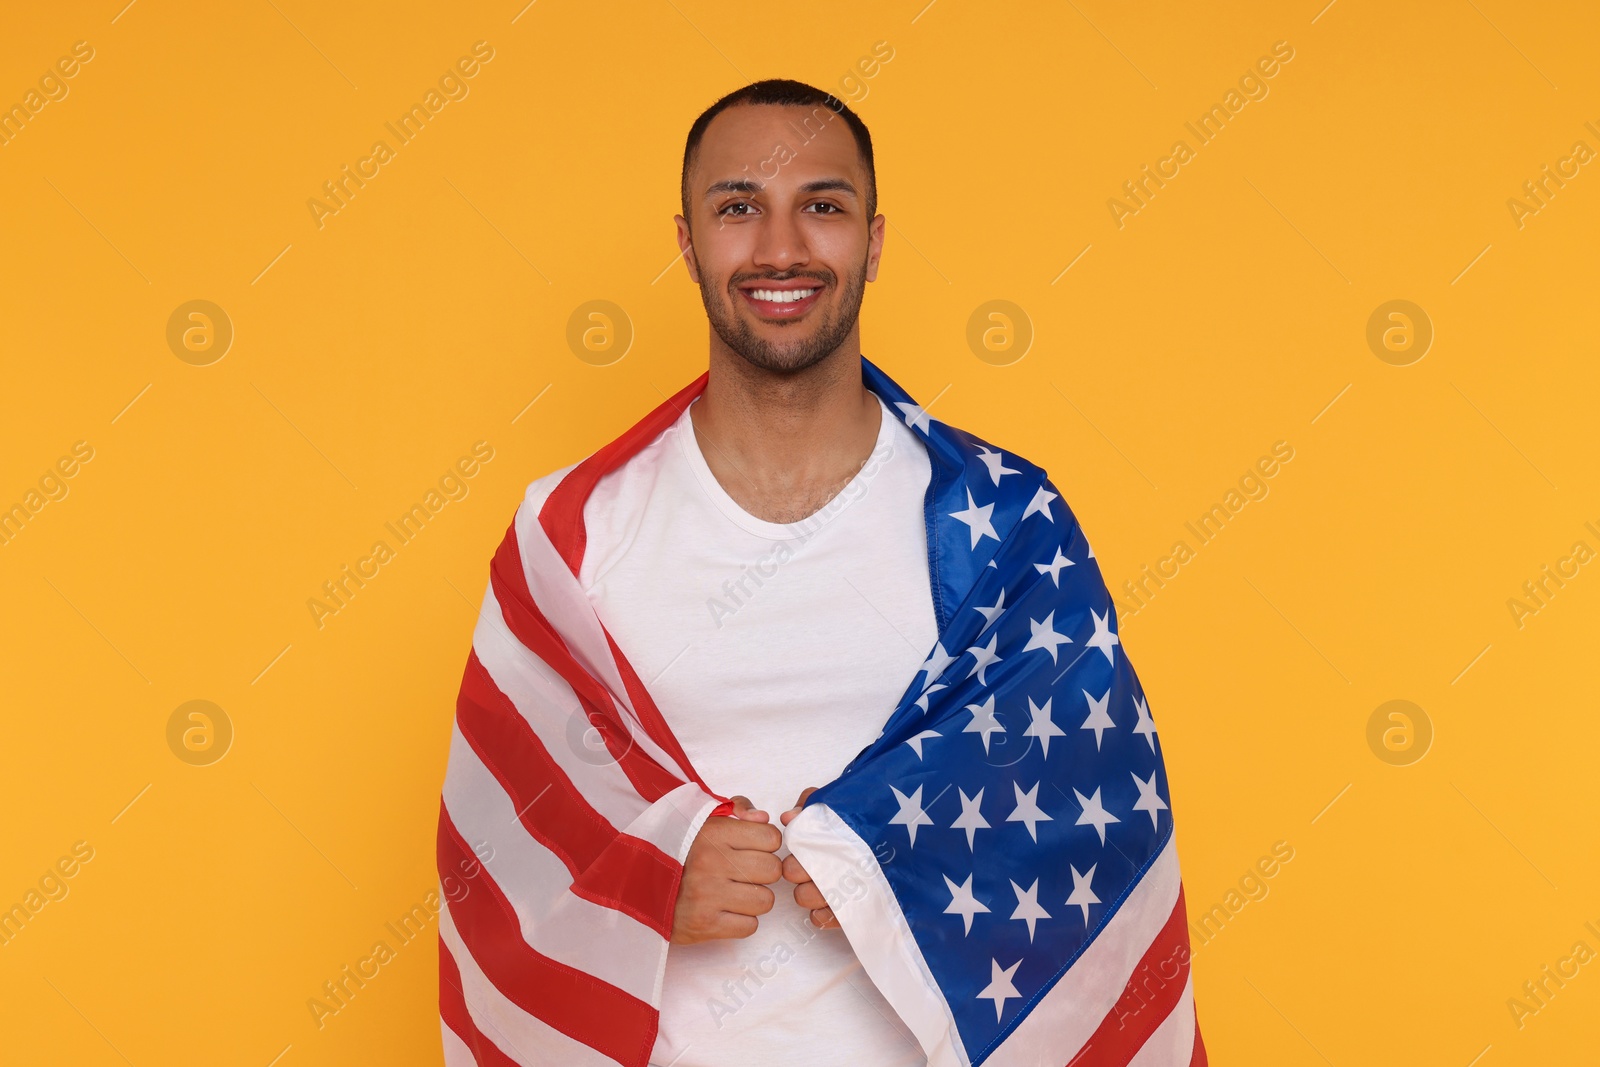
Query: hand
725, 876
806, 893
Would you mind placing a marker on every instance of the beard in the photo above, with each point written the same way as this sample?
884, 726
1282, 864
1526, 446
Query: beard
820, 338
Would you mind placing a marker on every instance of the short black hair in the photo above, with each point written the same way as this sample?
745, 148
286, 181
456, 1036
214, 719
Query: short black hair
784, 93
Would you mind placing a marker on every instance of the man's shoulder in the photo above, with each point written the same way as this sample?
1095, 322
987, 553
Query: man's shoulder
984, 462
643, 464
999, 473
539, 490
981, 451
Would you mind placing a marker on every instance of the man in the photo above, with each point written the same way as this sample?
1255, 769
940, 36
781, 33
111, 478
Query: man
735, 596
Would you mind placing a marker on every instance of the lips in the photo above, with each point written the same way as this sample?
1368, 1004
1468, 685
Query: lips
781, 300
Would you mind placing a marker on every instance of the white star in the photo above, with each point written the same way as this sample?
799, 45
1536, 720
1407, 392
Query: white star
1043, 726
971, 819
1053, 568
936, 662
922, 701
1149, 800
999, 988
1028, 811
1094, 813
1099, 719
916, 742
1103, 638
1083, 891
977, 520
962, 902
1041, 504
1028, 908
993, 611
995, 461
910, 814
983, 721
1045, 636
914, 416
1147, 725
985, 655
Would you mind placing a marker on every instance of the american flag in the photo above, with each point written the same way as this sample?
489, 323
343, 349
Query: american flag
1001, 856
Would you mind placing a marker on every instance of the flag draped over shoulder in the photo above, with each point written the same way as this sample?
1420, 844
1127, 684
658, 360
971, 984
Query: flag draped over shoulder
1001, 856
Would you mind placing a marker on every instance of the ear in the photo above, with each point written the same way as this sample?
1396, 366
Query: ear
875, 233
686, 247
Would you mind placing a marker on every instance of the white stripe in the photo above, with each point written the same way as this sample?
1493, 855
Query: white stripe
1172, 1045
850, 879
611, 945
562, 600
552, 711
456, 1052
672, 822
1059, 1025
524, 1037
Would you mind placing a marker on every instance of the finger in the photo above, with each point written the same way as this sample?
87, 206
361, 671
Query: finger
798, 804
736, 833
793, 871
823, 919
729, 924
741, 898
743, 809
807, 895
755, 867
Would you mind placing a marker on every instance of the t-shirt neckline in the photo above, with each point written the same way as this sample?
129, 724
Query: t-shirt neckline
779, 531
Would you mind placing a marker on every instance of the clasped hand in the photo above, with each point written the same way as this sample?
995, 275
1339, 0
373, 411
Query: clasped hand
725, 877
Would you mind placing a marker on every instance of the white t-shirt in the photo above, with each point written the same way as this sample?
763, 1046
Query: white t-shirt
775, 652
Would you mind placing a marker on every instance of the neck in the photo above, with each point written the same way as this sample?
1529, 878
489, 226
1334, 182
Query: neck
783, 445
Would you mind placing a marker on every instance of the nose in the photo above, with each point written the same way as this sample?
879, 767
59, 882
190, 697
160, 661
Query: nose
782, 242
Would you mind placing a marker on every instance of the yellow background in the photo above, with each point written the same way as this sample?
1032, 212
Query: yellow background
371, 353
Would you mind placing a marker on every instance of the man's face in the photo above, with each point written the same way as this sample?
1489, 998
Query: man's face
781, 244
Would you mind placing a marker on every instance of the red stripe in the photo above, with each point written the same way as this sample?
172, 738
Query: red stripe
562, 520
1199, 1059
453, 1009
610, 868
1149, 997
655, 723
562, 514
530, 627
586, 1009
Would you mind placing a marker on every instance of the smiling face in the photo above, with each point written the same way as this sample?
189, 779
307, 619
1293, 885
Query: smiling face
779, 239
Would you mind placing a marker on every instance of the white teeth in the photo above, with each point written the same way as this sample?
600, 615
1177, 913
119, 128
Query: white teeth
783, 296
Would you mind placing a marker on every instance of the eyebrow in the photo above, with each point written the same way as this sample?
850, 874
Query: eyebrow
750, 185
